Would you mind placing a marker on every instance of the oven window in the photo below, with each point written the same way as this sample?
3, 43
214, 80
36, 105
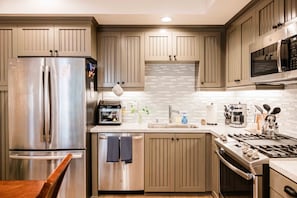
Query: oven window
231, 184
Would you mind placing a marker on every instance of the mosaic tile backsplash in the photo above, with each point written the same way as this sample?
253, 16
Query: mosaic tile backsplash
174, 84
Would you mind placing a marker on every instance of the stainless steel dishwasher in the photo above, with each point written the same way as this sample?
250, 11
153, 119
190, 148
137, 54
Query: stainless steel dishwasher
119, 176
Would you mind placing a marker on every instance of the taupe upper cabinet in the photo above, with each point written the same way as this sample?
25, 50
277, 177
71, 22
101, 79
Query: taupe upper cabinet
121, 59
64, 40
7, 51
171, 46
239, 37
270, 16
209, 72
290, 10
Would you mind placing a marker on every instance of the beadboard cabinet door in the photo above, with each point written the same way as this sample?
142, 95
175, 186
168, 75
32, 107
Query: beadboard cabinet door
121, 59
159, 163
4, 135
35, 41
209, 73
7, 50
109, 58
185, 46
158, 46
247, 38
239, 38
290, 10
73, 41
132, 62
174, 163
190, 163
171, 46
60, 40
270, 16
233, 58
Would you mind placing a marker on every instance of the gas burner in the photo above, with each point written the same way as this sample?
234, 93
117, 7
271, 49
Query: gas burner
280, 147
246, 136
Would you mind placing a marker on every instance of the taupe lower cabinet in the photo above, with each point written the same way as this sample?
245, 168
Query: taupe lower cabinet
174, 162
121, 59
62, 40
278, 184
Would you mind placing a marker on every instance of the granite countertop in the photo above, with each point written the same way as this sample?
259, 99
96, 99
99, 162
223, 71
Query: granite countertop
285, 166
143, 128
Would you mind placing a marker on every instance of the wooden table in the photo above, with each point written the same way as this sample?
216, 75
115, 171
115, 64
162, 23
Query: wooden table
20, 188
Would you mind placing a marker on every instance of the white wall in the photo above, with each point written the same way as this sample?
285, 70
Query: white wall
174, 84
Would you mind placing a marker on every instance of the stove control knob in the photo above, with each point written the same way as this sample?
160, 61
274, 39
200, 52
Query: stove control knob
223, 137
255, 155
250, 152
245, 148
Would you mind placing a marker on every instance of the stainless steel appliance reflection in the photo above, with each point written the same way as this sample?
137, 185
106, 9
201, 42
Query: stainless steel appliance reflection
238, 115
110, 112
47, 120
119, 176
244, 158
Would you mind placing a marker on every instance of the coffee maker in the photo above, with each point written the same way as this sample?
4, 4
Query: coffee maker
238, 115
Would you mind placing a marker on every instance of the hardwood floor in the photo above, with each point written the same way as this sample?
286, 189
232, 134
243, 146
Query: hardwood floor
155, 196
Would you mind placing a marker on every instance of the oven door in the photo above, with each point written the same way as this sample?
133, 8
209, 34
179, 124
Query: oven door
235, 180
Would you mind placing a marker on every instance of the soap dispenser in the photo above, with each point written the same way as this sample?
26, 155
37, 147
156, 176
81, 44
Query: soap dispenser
184, 119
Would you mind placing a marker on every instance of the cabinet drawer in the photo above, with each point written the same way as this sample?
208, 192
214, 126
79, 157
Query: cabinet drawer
278, 183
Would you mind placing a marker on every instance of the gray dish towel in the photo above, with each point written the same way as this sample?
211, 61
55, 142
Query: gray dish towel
126, 149
113, 149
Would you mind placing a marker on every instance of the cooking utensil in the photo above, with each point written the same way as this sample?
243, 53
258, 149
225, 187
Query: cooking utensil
276, 110
226, 108
259, 109
266, 107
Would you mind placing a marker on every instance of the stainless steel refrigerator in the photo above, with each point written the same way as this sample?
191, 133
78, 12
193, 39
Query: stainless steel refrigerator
47, 119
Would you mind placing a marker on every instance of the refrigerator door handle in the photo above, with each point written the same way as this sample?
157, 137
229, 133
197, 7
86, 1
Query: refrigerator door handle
47, 104
58, 157
43, 100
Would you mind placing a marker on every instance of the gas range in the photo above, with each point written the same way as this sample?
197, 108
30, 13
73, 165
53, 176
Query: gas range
244, 162
281, 146
254, 150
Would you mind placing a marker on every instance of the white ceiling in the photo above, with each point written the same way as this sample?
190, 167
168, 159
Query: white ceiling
131, 12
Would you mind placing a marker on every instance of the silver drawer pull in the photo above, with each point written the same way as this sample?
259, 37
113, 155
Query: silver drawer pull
29, 157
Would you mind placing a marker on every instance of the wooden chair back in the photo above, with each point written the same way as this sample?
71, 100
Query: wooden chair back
53, 183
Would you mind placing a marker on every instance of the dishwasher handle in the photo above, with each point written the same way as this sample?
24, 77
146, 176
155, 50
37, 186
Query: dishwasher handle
136, 137
246, 176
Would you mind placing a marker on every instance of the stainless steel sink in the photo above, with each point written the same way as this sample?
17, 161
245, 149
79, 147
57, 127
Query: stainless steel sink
171, 125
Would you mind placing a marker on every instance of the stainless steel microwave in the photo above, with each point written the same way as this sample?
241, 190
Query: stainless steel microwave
274, 58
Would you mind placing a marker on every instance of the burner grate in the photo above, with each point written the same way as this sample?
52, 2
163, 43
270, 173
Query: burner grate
280, 147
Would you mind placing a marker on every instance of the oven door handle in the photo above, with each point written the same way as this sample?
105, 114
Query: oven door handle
246, 176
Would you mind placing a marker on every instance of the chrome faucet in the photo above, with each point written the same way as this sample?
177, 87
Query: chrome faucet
170, 113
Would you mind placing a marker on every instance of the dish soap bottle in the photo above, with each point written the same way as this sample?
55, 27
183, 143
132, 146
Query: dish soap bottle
184, 119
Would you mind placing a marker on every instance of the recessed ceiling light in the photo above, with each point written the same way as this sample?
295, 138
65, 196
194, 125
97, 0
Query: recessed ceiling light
166, 19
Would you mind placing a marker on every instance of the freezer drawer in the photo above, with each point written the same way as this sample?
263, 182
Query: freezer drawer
119, 176
30, 165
